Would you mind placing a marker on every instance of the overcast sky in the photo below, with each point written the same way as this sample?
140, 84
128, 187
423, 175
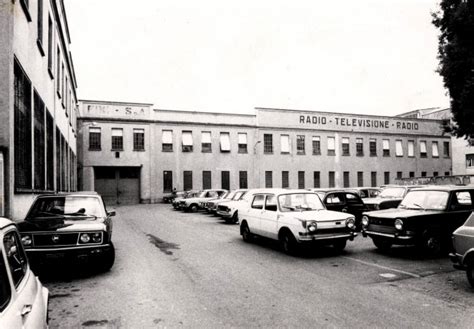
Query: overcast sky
365, 56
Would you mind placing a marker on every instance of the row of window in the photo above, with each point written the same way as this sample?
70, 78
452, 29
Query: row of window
206, 141
35, 161
285, 179
95, 139
63, 83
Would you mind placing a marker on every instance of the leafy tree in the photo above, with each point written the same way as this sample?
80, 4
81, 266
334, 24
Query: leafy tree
455, 20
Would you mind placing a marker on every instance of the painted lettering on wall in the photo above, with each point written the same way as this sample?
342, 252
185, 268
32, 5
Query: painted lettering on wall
357, 123
118, 110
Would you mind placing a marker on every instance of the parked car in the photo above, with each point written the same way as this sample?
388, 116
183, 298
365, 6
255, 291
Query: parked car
295, 217
230, 210
210, 205
193, 204
69, 227
365, 192
344, 201
169, 197
426, 217
23, 299
187, 194
463, 254
236, 195
389, 197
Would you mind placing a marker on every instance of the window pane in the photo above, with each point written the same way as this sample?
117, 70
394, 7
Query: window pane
398, 148
187, 138
285, 143
118, 132
225, 142
167, 137
242, 138
385, 144
423, 147
206, 137
331, 143
411, 148
435, 150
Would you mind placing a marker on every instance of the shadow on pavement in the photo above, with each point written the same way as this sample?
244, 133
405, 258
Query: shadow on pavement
65, 272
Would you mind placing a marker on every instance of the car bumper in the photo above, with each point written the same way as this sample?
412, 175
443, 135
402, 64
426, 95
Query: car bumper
74, 253
224, 214
326, 237
396, 238
457, 261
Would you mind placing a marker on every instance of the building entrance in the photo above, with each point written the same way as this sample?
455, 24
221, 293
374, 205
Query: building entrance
118, 185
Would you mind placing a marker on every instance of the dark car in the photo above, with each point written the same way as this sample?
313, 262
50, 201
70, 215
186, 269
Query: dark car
426, 217
69, 227
463, 244
339, 200
389, 197
365, 192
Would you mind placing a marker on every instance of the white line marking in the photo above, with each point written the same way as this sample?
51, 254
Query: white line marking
383, 267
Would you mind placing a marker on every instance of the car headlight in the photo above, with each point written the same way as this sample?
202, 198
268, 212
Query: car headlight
85, 237
26, 240
365, 221
350, 222
399, 224
312, 227
97, 237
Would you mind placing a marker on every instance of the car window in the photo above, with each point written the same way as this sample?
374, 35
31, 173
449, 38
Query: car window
257, 202
212, 194
352, 198
5, 290
66, 205
363, 193
333, 198
221, 192
464, 198
271, 203
16, 256
373, 193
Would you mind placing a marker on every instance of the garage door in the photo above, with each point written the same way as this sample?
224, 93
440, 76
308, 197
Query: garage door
118, 185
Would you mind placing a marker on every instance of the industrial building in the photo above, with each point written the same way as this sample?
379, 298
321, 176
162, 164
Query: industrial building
131, 152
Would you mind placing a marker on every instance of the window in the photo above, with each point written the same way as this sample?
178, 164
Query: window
167, 181
267, 143
5, 290
167, 141
470, 160
271, 203
58, 159
411, 149
411, 174
285, 143
22, 128
138, 139
242, 139
423, 174
399, 175
187, 141
58, 72
225, 180
25, 6
206, 180
360, 178
39, 40
446, 173
300, 147
206, 144
258, 201
49, 151
434, 150
268, 179
386, 147
373, 178
15, 256
39, 143
62, 84
462, 200
332, 179
316, 179
446, 149
285, 179
386, 177
359, 147
333, 198
94, 139
301, 183
331, 146
345, 179
422, 149
345, 146
373, 147
225, 142
398, 148
243, 179
316, 145
435, 174
187, 180
50, 46
117, 139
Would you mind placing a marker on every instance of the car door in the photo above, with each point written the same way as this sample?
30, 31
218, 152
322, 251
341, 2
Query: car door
334, 201
268, 217
254, 212
354, 204
461, 206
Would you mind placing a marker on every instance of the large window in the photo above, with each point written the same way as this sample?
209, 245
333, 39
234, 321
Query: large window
332, 179
243, 179
423, 153
300, 144
301, 180
58, 72
434, 150
167, 181
39, 143
373, 147
386, 177
398, 148
94, 139
206, 180
285, 143
399, 175
225, 142
345, 146
373, 178
359, 147
39, 39
411, 149
117, 139
386, 147
242, 139
316, 179
285, 179
346, 180
187, 141
187, 180
268, 179
206, 142
316, 145
360, 178
50, 46
167, 141
446, 149
138, 139
331, 146
50, 151
267, 143
22, 128
225, 180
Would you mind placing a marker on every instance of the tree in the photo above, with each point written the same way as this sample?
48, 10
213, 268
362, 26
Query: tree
455, 20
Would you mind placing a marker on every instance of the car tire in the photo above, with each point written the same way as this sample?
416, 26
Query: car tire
382, 244
470, 273
233, 220
108, 259
288, 243
431, 243
247, 236
193, 208
339, 245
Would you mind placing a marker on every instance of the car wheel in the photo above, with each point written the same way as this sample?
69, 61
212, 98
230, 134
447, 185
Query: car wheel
431, 243
339, 245
382, 244
288, 243
247, 236
235, 218
108, 259
470, 273
193, 208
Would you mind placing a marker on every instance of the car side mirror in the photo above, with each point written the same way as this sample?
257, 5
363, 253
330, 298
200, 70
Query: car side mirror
111, 213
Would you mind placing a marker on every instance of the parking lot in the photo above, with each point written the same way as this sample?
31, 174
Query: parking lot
176, 269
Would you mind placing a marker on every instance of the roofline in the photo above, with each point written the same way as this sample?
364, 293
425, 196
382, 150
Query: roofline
205, 112
113, 102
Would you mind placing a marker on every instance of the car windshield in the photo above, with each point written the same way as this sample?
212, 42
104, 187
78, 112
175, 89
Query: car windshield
300, 202
392, 192
239, 195
192, 195
229, 196
432, 200
65, 206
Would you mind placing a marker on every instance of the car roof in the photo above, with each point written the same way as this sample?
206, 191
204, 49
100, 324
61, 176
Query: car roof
4, 222
282, 191
446, 188
80, 193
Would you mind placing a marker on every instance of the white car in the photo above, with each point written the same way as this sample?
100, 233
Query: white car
230, 210
295, 217
232, 196
23, 299
193, 204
